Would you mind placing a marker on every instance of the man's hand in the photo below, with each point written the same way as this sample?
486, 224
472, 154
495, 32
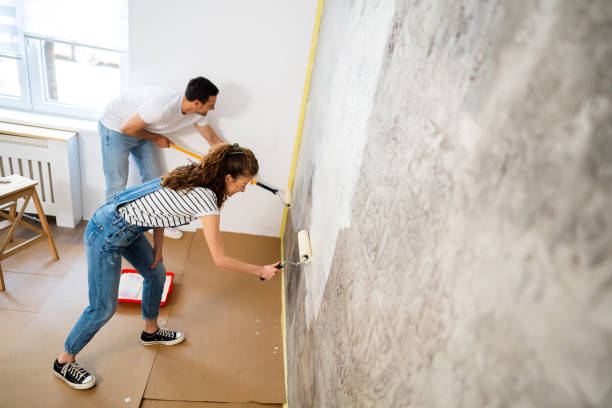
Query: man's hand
162, 141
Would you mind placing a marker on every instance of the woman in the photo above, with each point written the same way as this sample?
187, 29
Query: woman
116, 230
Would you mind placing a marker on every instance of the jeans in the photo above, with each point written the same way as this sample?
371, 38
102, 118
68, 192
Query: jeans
116, 148
107, 238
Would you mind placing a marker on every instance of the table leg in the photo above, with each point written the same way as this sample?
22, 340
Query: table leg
12, 215
13, 211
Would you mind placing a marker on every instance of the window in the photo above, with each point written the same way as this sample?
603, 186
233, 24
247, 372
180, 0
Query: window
12, 65
66, 57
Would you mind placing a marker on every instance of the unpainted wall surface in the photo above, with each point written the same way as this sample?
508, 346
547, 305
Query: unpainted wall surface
472, 266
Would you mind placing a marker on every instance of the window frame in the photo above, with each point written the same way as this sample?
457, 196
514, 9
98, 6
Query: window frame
32, 81
37, 83
10, 101
22, 102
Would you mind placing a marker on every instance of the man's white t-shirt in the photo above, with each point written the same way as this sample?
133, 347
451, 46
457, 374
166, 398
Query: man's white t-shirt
159, 107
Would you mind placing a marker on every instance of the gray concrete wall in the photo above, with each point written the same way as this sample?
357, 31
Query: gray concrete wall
455, 174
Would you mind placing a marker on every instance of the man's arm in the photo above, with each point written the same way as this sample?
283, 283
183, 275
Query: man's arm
134, 126
209, 134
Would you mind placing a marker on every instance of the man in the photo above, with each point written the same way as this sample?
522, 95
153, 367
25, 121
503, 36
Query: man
134, 123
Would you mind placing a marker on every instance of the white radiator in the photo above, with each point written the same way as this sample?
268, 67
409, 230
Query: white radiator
51, 157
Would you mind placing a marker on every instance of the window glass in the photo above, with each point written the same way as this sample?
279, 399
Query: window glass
9, 77
9, 29
79, 75
10, 50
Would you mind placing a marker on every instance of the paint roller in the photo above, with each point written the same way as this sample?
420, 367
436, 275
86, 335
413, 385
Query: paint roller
285, 197
286, 200
304, 249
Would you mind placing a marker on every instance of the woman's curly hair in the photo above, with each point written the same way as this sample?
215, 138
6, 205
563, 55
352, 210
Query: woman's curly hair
222, 159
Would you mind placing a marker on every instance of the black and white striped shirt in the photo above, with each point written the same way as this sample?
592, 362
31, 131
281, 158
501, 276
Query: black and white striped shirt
168, 208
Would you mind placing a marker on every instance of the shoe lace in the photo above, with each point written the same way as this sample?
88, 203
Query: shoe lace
165, 333
75, 370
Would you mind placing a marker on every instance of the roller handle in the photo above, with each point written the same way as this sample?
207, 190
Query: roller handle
279, 266
270, 189
180, 149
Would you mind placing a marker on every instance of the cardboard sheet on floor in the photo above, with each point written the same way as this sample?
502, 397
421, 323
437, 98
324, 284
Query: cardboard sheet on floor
232, 321
12, 323
146, 403
38, 259
32, 275
120, 363
26, 292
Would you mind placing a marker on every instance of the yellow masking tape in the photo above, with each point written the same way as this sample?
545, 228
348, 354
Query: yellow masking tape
296, 150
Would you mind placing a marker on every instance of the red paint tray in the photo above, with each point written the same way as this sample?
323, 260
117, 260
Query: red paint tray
130, 286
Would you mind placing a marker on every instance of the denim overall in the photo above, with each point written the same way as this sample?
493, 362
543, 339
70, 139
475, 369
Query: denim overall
108, 237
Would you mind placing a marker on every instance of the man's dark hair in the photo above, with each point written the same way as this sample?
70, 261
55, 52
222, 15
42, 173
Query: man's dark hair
200, 88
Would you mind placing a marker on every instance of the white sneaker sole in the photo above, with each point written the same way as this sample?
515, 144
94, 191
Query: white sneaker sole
76, 386
169, 235
173, 235
165, 343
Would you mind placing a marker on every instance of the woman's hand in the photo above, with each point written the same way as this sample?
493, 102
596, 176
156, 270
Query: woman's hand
158, 241
210, 224
269, 271
157, 257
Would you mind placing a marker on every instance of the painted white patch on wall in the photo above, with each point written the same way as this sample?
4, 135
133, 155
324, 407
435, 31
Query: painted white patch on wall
340, 122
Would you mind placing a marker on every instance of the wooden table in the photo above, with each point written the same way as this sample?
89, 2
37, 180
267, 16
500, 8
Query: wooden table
21, 187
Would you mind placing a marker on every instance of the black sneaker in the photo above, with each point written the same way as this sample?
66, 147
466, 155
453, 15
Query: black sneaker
161, 336
74, 375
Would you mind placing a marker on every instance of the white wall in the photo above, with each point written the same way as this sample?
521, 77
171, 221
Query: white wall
256, 53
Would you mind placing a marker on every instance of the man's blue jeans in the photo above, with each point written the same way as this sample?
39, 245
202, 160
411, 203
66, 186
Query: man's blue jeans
116, 148
108, 237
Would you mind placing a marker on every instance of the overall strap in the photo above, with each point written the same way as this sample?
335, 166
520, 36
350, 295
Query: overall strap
138, 191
